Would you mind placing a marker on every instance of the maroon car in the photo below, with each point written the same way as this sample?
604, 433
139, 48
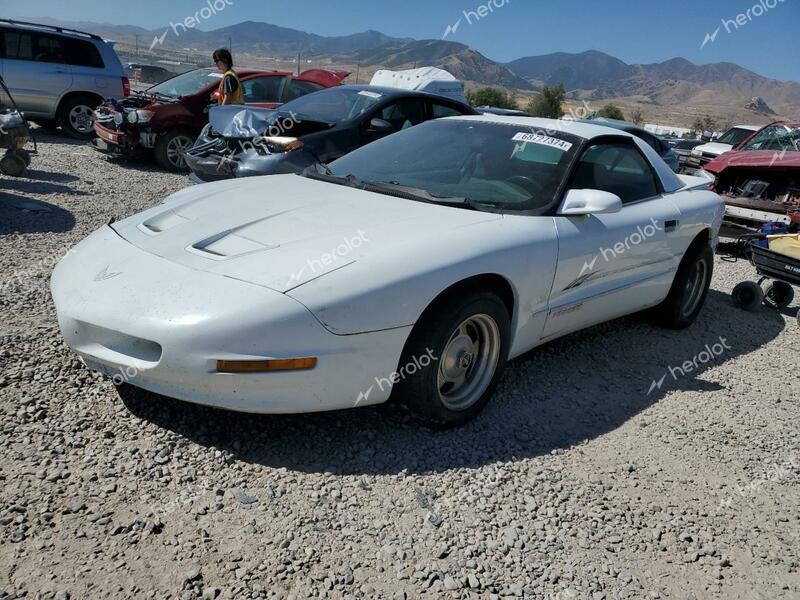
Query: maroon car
760, 180
165, 119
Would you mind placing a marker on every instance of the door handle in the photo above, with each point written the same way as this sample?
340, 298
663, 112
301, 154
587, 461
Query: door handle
670, 226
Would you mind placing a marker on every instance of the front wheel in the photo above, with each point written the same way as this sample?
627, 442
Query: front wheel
170, 147
76, 117
454, 359
689, 290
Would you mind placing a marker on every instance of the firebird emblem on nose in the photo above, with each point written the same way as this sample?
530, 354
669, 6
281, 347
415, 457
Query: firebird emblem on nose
104, 275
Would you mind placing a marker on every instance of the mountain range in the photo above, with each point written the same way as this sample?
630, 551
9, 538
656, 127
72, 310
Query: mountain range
590, 75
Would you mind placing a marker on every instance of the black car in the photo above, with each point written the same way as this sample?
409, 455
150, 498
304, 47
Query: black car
663, 148
317, 128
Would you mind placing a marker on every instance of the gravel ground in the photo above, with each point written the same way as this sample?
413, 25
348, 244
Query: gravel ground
578, 481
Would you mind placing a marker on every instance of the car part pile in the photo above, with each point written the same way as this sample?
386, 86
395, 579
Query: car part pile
774, 193
14, 135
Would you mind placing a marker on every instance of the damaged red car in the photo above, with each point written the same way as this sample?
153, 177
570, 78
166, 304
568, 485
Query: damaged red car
760, 180
164, 120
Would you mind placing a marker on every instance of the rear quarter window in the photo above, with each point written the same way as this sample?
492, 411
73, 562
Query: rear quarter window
82, 54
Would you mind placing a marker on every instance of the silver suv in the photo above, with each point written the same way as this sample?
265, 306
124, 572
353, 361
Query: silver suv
59, 76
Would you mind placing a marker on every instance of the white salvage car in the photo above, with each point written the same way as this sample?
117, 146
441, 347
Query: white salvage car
415, 268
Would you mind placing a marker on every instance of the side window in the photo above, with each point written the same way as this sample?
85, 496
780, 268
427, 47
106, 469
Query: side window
301, 88
18, 45
263, 89
442, 110
48, 48
404, 113
617, 168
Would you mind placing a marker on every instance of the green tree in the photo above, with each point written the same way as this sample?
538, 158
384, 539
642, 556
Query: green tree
611, 111
548, 104
489, 96
703, 124
637, 117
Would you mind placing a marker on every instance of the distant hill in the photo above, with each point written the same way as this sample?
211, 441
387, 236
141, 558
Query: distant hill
463, 62
595, 75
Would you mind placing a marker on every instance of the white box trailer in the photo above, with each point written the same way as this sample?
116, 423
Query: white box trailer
424, 79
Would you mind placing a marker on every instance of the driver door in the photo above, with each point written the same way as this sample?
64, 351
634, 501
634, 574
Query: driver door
615, 264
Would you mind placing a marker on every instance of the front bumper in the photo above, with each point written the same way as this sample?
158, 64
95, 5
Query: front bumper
146, 321
112, 142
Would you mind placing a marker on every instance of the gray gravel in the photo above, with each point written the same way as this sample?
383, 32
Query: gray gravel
575, 483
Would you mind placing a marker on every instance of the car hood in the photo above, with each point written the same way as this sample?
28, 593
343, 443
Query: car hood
283, 231
755, 159
713, 148
238, 123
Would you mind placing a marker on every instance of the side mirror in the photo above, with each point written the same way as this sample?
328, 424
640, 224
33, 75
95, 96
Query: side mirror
590, 202
380, 126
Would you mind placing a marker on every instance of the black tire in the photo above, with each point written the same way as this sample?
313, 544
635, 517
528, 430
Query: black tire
168, 149
689, 290
12, 165
444, 334
76, 116
748, 295
778, 294
24, 155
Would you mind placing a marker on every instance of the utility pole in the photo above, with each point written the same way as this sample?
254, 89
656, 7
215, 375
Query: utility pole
137, 45
358, 71
298, 62
230, 45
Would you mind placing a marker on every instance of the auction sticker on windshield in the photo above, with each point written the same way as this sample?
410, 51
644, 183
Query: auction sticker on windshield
369, 94
536, 138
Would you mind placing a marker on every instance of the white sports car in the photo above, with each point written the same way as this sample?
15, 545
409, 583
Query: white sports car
415, 267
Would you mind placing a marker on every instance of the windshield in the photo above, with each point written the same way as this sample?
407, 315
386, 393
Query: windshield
776, 137
503, 165
333, 104
186, 84
734, 136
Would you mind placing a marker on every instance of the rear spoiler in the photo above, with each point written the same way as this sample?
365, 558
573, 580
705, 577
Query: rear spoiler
691, 182
324, 77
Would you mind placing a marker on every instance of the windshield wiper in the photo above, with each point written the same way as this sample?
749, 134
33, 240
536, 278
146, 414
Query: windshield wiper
425, 196
323, 173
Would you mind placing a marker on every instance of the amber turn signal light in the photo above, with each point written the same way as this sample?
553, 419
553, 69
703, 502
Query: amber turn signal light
266, 366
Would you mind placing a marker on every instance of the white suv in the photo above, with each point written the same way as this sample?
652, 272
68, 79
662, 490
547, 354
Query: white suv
59, 76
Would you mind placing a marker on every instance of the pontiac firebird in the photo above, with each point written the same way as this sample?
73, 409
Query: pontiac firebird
413, 268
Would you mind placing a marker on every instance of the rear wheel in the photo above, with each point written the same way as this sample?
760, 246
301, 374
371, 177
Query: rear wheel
76, 116
748, 295
778, 294
457, 352
170, 147
689, 290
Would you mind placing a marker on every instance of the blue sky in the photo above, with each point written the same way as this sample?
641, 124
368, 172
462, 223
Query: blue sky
636, 31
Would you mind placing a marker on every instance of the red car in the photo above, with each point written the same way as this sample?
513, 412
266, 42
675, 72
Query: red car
760, 180
165, 119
